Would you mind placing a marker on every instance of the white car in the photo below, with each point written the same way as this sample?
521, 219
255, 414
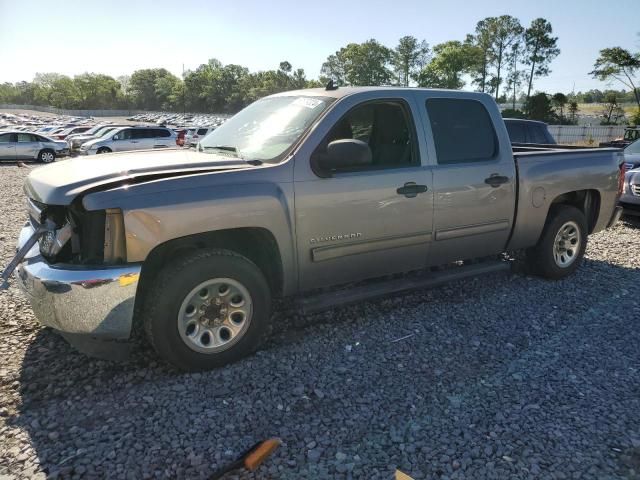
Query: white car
127, 139
194, 135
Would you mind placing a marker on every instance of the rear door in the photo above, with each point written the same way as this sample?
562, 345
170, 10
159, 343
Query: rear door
27, 146
474, 178
8, 146
163, 138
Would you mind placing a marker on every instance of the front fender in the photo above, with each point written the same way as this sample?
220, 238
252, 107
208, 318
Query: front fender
176, 208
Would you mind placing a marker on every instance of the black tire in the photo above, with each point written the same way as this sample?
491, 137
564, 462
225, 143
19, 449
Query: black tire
102, 150
46, 155
172, 286
541, 259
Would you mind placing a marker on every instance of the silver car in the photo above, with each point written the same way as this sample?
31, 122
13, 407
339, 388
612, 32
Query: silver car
75, 141
632, 155
16, 145
131, 138
630, 199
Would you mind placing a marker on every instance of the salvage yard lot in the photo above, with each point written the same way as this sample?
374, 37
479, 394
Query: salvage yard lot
501, 377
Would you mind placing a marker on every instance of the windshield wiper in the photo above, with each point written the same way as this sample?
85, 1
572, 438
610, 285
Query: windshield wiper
233, 150
223, 148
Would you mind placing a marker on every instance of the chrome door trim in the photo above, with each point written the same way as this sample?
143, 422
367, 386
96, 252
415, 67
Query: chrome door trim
468, 230
320, 254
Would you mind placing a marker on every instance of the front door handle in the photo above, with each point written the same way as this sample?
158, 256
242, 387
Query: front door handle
411, 189
496, 180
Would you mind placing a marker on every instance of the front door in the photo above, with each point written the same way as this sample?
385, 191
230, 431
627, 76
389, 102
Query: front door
123, 141
8, 146
372, 220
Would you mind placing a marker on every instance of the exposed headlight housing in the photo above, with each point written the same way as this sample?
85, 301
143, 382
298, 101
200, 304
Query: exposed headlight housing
52, 241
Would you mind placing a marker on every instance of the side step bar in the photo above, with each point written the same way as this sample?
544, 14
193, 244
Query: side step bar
360, 293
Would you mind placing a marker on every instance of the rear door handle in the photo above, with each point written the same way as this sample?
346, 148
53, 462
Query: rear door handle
411, 189
496, 180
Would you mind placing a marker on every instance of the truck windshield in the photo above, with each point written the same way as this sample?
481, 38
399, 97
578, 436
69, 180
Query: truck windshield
266, 128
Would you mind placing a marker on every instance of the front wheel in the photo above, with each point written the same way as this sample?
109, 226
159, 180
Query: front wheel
46, 156
207, 309
562, 244
102, 150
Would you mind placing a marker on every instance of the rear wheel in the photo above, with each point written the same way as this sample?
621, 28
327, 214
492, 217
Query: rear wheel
562, 244
46, 156
103, 150
207, 309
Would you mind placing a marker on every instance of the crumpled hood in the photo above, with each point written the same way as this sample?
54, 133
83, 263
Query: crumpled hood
60, 182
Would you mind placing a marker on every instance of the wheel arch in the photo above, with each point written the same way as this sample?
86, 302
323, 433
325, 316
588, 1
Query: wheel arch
256, 243
587, 201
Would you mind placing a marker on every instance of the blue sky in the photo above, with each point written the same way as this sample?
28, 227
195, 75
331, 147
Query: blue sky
117, 37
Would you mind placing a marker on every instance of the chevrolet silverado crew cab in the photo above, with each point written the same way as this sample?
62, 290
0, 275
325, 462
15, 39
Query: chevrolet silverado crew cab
326, 196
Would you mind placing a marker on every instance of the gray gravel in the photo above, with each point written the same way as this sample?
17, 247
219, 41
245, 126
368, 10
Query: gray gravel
502, 377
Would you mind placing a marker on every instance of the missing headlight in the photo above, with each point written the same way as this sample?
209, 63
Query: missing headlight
114, 238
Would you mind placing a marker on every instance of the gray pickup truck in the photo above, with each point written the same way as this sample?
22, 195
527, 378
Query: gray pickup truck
322, 195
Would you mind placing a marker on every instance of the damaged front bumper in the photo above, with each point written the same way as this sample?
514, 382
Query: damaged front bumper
88, 301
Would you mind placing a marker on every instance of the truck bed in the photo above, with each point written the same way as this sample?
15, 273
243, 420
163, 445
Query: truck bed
546, 173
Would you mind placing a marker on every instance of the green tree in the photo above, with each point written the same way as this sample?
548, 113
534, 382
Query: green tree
95, 90
611, 111
507, 31
482, 39
573, 112
560, 100
360, 64
541, 49
152, 88
451, 60
619, 64
515, 77
538, 107
408, 58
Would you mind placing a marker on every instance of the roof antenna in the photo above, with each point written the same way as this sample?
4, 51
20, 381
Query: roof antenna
330, 85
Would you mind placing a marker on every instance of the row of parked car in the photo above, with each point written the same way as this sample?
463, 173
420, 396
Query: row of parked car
45, 138
180, 119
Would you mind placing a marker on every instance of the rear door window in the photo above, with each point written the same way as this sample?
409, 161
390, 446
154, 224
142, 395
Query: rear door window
141, 133
26, 138
203, 131
462, 131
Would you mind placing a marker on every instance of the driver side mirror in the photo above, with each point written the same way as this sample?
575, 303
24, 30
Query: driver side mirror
343, 154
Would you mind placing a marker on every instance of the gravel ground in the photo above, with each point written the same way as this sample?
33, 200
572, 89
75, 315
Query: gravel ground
502, 377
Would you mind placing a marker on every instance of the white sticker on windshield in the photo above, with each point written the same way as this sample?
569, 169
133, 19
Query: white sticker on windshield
307, 102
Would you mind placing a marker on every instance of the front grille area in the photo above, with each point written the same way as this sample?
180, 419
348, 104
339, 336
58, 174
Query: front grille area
629, 166
635, 189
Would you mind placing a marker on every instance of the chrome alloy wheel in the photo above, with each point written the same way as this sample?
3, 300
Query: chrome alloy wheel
567, 244
215, 315
47, 157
